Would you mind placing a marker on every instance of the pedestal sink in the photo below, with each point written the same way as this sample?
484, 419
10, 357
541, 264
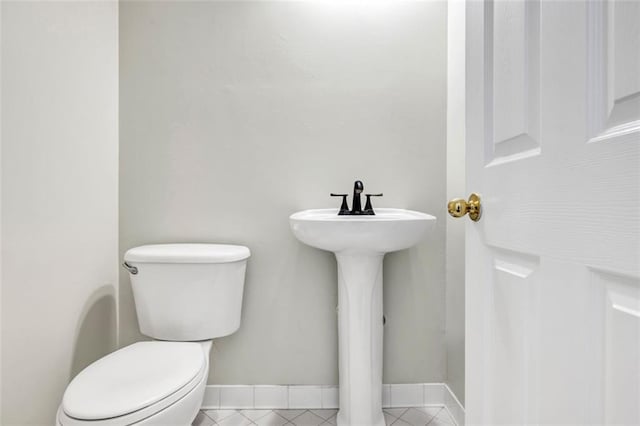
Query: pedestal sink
360, 243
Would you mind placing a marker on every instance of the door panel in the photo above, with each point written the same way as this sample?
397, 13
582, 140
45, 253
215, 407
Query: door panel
617, 333
553, 266
512, 331
565, 374
511, 80
613, 69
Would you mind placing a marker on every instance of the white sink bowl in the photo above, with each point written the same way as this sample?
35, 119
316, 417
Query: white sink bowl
388, 230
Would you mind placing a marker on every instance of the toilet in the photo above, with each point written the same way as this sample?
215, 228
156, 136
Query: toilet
185, 296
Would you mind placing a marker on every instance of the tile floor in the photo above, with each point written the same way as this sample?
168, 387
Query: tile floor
419, 416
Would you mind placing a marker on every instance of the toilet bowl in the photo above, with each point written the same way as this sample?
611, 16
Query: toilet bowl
185, 295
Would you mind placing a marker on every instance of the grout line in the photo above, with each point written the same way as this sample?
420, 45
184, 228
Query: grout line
435, 416
401, 414
288, 396
396, 421
287, 421
253, 396
445, 408
240, 412
304, 410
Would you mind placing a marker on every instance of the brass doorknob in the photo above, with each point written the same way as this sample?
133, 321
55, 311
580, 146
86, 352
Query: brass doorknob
459, 207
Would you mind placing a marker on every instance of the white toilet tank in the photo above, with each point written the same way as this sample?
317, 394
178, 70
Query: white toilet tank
187, 292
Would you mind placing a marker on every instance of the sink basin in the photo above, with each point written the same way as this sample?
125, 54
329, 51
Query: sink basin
388, 230
360, 243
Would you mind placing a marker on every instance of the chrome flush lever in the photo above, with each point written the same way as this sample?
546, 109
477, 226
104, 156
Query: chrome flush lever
131, 269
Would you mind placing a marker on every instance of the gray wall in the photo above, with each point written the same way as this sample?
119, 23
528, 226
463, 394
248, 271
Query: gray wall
455, 258
59, 199
233, 115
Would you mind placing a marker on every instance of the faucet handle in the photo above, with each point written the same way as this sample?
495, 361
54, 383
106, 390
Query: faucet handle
368, 209
344, 208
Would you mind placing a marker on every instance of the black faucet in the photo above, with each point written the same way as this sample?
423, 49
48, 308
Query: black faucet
356, 209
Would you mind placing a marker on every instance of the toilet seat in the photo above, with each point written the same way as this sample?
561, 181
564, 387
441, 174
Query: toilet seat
133, 383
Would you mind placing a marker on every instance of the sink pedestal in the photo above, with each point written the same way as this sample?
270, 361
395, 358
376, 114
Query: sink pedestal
360, 330
360, 243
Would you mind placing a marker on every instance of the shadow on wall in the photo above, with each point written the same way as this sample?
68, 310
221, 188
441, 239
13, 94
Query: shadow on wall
96, 335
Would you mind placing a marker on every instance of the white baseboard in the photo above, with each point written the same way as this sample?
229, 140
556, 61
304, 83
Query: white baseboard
326, 396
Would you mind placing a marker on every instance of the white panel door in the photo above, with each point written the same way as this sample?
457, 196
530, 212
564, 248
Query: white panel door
553, 266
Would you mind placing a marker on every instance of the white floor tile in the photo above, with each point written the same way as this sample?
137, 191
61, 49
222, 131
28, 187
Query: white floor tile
218, 415
416, 417
400, 422
236, 419
308, 419
254, 415
271, 419
289, 414
388, 418
442, 419
410, 414
325, 414
432, 411
202, 420
395, 412
454, 407
332, 421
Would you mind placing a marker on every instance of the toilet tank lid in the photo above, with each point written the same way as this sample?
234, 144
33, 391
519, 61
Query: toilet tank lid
187, 253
